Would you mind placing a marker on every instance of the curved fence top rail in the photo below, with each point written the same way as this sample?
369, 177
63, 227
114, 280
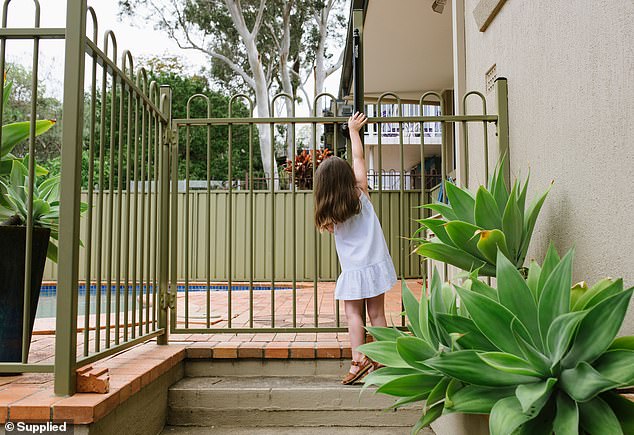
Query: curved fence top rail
314, 118
332, 119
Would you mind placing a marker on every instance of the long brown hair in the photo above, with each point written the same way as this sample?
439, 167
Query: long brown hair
336, 196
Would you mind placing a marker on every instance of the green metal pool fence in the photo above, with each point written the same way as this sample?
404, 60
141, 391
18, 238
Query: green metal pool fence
140, 231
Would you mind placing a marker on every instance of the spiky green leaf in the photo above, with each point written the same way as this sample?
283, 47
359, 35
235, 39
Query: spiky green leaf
462, 202
598, 328
464, 236
456, 257
567, 417
514, 294
617, 365
413, 350
467, 366
487, 212
555, 297
493, 320
508, 363
560, 334
472, 338
533, 397
409, 385
583, 382
597, 418
506, 416
473, 399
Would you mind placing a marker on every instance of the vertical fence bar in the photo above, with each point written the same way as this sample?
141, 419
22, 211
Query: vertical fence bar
174, 228
91, 169
501, 94
316, 259
68, 267
141, 231
187, 163
401, 206
230, 219
466, 134
272, 190
119, 226
110, 241
251, 218
151, 192
138, 105
208, 224
128, 198
26, 315
165, 134
155, 237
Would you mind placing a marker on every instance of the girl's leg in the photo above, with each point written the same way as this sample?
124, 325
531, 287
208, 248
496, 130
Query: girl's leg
354, 311
376, 310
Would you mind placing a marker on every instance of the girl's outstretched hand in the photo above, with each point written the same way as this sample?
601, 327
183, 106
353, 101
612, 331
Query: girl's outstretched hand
357, 121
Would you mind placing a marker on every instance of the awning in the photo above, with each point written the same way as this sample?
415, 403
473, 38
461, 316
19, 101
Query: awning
407, 49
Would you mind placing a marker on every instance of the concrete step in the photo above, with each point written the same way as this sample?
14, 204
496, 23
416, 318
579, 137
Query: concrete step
268, 367
305, 401
361, 430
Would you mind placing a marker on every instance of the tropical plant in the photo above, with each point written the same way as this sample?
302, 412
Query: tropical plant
474, 227
45, 211
304, 167
538, 354
16, 132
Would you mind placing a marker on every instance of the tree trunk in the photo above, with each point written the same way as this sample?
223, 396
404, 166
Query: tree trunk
264, 130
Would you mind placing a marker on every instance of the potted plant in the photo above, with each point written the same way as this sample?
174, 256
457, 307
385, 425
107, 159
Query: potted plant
13, 210
538, 355
13, 216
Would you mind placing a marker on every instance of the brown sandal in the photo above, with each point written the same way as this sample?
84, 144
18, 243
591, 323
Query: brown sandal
376, 366
364, 366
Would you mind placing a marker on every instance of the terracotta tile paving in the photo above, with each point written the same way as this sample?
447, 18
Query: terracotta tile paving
31, 395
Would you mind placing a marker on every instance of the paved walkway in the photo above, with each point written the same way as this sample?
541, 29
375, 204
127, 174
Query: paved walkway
30, 395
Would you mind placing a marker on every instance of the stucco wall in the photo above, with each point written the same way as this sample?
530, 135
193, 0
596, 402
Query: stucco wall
570, 70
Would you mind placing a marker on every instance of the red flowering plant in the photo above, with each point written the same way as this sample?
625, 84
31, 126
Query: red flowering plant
304, 167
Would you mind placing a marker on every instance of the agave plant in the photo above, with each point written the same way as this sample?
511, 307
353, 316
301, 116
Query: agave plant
474, 227
432, 326
538, 354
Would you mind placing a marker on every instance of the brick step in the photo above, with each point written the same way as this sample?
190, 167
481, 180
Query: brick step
280, 401
269, 367
290, 430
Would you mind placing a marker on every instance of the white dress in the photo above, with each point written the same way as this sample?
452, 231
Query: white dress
367, 269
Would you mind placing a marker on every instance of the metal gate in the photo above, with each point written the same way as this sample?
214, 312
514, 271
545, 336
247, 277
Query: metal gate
244, 253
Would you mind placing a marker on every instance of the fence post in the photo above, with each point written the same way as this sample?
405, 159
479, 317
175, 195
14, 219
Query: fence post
164, 230
72, 132
501, 94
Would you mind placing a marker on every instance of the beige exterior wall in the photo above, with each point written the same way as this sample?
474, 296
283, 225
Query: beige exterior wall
570, 70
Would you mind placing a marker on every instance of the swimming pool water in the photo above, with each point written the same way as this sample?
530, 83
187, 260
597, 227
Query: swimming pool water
47, 303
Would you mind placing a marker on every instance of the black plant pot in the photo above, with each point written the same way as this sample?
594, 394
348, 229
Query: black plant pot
12, 252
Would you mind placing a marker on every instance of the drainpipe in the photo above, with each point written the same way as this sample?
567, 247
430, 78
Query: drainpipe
357, 67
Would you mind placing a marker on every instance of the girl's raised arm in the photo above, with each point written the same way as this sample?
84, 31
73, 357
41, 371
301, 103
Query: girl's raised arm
355, 124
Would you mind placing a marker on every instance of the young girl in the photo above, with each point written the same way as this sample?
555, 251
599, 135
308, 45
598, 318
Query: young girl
343, 207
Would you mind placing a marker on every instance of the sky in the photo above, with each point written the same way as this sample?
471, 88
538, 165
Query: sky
138, 37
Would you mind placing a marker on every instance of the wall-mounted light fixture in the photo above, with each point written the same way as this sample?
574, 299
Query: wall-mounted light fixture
438, 6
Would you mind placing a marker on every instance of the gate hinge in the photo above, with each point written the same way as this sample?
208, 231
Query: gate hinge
167, 300
169, 137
